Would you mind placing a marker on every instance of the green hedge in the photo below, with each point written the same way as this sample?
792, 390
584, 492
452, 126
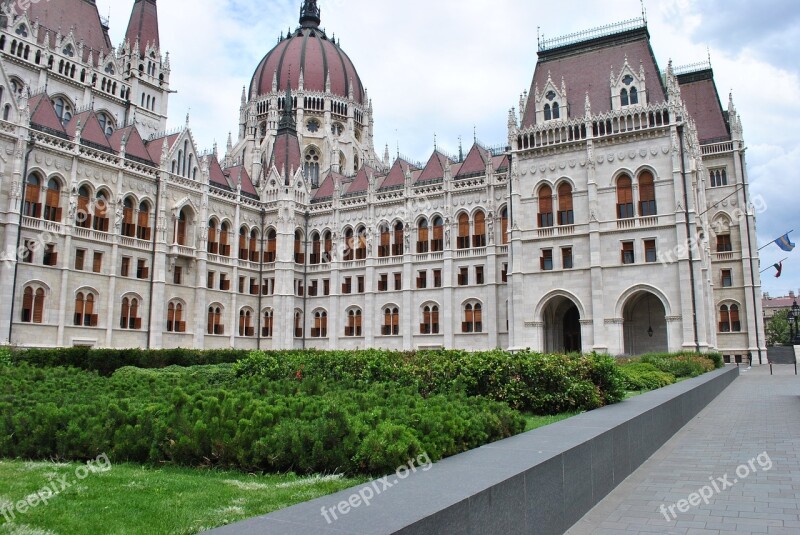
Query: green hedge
641, 376
206, 416
681, 365
543, 384
107, 361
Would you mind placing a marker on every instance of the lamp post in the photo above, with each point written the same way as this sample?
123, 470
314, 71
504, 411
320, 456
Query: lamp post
790, 321
796, 317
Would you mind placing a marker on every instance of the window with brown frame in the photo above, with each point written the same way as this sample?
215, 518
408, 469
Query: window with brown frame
143, 230
727, 278
125, 269
398, 249
320, 329
430, 320
128, 222
32, 207
628, 255
647, 195
650, 251
391, 322
422, 280
52, 210
211, 280
33, 305
545, 207
546, 260
362, 285
270, 255
50, 256
267, 325
347, 285
479, 237
398, 282
299, 252
129, 317
326, 287
175, 323
724, 244
84, 310
625, 198
504, 226
142, 271
566, 215
177, 275
385, 248
80, 259
83, 217
246, 323
213, 240
29, 251
463, 232
437, 243
567, 261
473, 319
463, 276
437, 278
383, 283
253, 246
298, 325
97, 262
423, 245
480, 277
215, 326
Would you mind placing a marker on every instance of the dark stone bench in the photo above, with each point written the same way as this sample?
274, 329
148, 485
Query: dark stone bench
539, 482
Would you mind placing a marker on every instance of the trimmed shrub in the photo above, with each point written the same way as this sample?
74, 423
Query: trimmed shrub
641, 376
206, 416
5, 357
682, 365
544, 384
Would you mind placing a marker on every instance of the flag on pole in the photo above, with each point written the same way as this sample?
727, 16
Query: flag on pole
785, 243
779, 267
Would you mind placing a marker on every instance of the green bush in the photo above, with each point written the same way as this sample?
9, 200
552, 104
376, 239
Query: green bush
681, 365
544, 384
641, 376
5, 357
207, 416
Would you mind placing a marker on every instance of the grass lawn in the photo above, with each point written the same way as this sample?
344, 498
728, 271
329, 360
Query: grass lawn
535, 422
130, 499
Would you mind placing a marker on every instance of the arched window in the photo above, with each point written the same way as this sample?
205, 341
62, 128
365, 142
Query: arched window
316, 249
129, 317
391, 321
719, 177
634, 96
311, 165
545, 207
299, 253
244, 254
463, 231
270, 255
625, 198
224, 237
473, 318
398, 249
422, 236
623, 98
33, 305
361, 245
724, 244
479, 237
33, 207
647, 195
354, 323
175, 323
437, 243
267, 325
128, 225
724, 319
246, 323
430, 320
84, 310
320, 329
83, 216
548, 114
349, 244
556, 111
736, 324
183, 223
328, 248
101, 205
7, 112
215, 325
385, 245
298, 324
63, 110
143, 231
212, 246
504, 225
253, 247
52, 211
566, 215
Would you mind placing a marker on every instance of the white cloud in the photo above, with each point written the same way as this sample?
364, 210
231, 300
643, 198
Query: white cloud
445, 66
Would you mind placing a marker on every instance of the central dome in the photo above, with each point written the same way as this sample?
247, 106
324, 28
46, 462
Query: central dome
309, 50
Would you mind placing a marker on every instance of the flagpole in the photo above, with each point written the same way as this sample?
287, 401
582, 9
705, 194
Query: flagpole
773, 266
773, 241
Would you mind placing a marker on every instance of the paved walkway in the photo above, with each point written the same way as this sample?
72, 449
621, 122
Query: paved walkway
756, 419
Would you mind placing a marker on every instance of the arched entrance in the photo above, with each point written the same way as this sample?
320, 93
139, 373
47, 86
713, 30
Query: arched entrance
645, 326
562, 326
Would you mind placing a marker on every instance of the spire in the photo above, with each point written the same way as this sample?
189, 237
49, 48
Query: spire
143, 26
310, 14
287, 122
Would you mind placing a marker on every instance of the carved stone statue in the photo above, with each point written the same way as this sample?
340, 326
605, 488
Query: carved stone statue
491, 228
447, 234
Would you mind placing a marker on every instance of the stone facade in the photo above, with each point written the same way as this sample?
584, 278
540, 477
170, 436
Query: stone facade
571, 236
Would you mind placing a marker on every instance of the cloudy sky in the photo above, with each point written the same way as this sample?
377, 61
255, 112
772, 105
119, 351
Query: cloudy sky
448, 67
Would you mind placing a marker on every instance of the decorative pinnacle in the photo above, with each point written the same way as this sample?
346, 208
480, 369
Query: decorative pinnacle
310, 14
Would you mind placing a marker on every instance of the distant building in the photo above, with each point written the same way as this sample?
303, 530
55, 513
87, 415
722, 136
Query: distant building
773, 305
569, 236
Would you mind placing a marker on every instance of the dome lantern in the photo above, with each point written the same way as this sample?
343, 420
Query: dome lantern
310, 14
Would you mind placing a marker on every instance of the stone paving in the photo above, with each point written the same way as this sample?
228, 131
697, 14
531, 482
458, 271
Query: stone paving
758, 415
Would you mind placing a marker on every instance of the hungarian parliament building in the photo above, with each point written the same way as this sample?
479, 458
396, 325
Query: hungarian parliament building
616, 217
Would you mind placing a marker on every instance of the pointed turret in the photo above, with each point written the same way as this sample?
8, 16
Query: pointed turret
143, 26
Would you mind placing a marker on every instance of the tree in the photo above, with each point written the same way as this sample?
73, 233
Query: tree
778, 332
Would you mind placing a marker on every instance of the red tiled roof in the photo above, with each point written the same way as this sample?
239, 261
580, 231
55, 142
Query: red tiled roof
361, 183
587, 67
286, 145
778, 302
90, 128
134, 145
699, 93
65, 15
434, 170
396, 176
143, 25
44, 114
328, 186
156, 145
309, 50
217, 175
474, 163
500, 163
238, 172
